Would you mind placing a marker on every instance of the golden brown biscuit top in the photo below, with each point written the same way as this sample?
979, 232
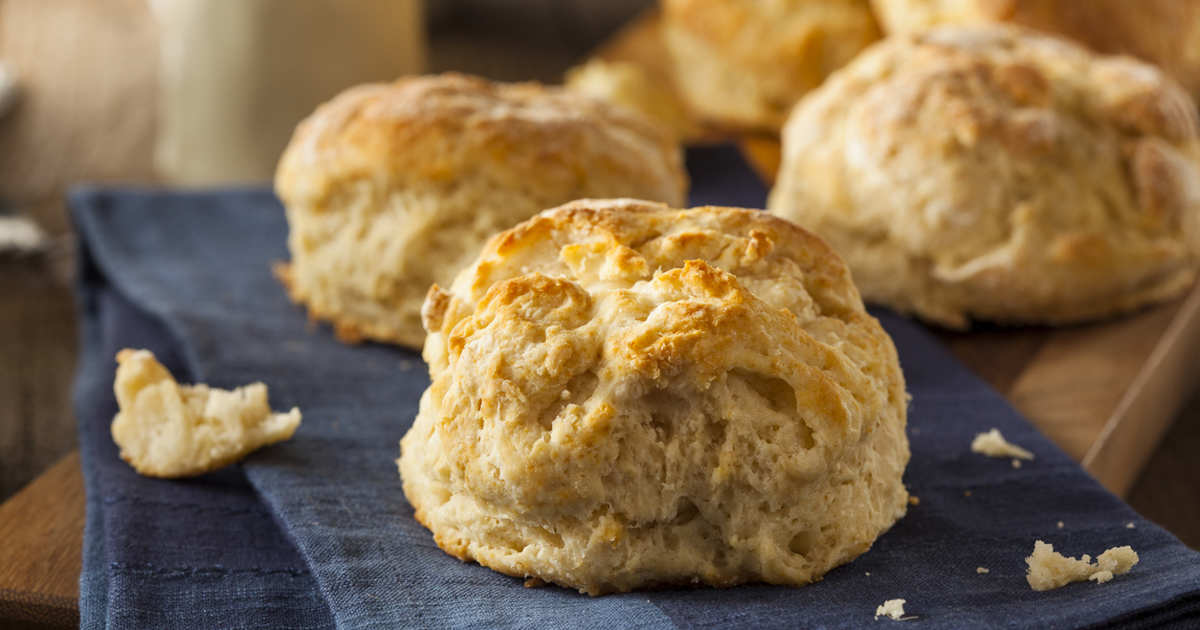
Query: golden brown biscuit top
592, 256
946, 127
624, 241
436, 128
1005, 68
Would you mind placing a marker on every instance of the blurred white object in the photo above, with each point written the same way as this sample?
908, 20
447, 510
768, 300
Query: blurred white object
8, 89
20, 235
236, 77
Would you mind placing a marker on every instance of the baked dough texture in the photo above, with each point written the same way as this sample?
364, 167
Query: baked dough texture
625, 395
165, 429
995, 173
392, 187
1163, 32
745, 63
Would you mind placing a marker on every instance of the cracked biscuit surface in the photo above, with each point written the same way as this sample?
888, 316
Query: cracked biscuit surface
995, 173
626, 395
392, 187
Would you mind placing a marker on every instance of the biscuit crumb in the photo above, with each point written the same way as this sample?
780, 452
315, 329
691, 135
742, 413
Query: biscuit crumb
966, 493
892, 608
1016, 463
914, 500
993, 444
982, 570
1060, 524
868, 574
1129, 525
1049, 569
534, 582
169, 430
1101, 577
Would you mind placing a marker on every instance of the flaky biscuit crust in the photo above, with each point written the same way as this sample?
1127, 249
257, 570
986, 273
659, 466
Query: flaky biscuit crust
626, 395
745, 63
1164, 32
996, 173
392, 187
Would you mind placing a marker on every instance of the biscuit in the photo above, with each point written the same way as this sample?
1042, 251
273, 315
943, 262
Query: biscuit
1163, 32
165, 429
627, 395
392, 187
744, 64
999, 174
630, 85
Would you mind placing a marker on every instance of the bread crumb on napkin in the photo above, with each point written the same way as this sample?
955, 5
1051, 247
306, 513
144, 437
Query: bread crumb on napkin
892, 608
993, 444
982, 570
165, 429
1049, 569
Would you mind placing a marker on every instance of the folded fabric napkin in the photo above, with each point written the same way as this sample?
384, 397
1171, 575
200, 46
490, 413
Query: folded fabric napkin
316, 532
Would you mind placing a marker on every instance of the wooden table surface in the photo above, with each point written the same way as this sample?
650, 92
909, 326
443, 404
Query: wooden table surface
1131, 369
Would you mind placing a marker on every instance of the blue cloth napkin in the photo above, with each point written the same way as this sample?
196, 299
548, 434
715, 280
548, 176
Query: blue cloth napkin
315, 532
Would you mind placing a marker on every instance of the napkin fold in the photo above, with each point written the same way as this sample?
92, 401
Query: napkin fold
315, 532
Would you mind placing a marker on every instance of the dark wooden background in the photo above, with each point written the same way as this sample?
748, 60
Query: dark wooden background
46, 146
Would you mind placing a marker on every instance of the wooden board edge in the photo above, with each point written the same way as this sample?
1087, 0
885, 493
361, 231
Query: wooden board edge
42, 554
34, 608
1150, 404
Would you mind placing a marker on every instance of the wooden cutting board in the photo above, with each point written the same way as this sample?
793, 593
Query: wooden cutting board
1104, 392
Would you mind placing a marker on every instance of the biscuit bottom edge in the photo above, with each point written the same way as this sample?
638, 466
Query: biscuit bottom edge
349, 328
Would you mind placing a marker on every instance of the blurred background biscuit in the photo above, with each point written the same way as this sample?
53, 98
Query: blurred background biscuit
997, 173
1163, 32
630, 85
744, 64
392, 187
